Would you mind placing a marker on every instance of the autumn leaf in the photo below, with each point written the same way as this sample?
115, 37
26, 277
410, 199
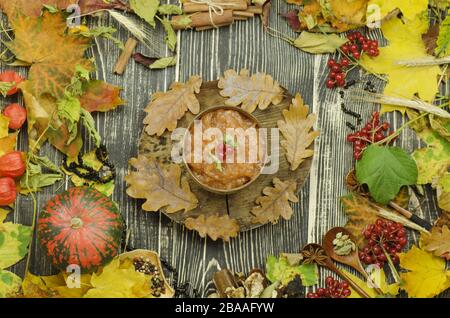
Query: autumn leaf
259, 90
55, 286
52, 65
279, 269
296, 129
347, 15
162, 187
31, 8
430, 37
275, 202
165, 109
433, 160
405, 43
100, 96
292, 19
8, 144
443, 40
4, 130
410, 9
215, 226
443, 192
10, 284
427, 275
379, 278
438, 242
359, 215
14, 240
119, 280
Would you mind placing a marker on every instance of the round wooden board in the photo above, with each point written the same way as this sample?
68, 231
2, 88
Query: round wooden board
237, 205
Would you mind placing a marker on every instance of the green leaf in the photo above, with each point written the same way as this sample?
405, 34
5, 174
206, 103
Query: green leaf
10, 284
385, 170
443, 40
433, 160
184, 21
50, 8
38, 181
168, 9
14, 240
171, 36
104, 32
146, 9
43, 161
443, 192
278, 269
317, 43
5, 87
164, 62
69, 108
89, 123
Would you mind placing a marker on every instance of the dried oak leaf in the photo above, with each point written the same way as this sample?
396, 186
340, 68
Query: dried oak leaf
165, 109
215, 226
52, 53
359, 214
162, 187
296, 129
259, 90
292, 19
99, 96
438, 242
275, 202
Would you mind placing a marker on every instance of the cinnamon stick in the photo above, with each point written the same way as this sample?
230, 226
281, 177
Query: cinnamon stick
203, 19
210, 27
191, 7
125, 56
255, 9
243, 14
223, 280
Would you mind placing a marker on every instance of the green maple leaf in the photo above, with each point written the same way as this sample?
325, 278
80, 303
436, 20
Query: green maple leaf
385, 170
443, 40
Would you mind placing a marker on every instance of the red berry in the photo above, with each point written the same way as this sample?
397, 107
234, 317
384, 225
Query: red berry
345, 62
374, 44
401, 233
365, 47
402, 241
351, 37
377, 250
331, 63
356, 55
329, 280
331, 83
336, 68
340, 83
345, 48
354, 48
351, 138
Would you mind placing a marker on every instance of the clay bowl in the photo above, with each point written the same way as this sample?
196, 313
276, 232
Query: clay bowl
194, 176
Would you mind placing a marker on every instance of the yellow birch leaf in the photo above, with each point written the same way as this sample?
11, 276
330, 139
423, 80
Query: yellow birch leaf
405, 43
14, 240
409, 8
10, 284
427, 275
4, 122
8, 144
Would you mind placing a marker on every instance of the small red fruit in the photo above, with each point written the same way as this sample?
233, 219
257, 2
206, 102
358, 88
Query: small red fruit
331, 83
17, 115
8, 191
12, 165
11, 77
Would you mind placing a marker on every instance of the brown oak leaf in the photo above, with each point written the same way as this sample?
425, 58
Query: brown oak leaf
438, 241
99, 96
215, 226
165, 109
292, 19
52, 53
359, 214
259, 90
161, 186
296, 129
275, 202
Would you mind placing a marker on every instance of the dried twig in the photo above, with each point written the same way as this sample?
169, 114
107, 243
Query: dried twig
417, 104
426, 61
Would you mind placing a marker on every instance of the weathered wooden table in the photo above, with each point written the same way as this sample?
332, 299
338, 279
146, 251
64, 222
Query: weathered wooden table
209, 53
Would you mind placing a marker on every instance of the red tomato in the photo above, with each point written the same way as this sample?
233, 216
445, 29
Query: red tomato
10, 77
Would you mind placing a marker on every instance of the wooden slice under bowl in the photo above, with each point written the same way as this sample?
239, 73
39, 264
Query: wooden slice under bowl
238, 205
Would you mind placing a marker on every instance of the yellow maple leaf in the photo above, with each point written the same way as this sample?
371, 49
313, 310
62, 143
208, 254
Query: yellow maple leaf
119, 281
405, 43
409, 8
427, 275
4, 122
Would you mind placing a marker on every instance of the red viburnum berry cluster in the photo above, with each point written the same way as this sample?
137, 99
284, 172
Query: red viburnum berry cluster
357, 45
387, 235
334, 289
374, 131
